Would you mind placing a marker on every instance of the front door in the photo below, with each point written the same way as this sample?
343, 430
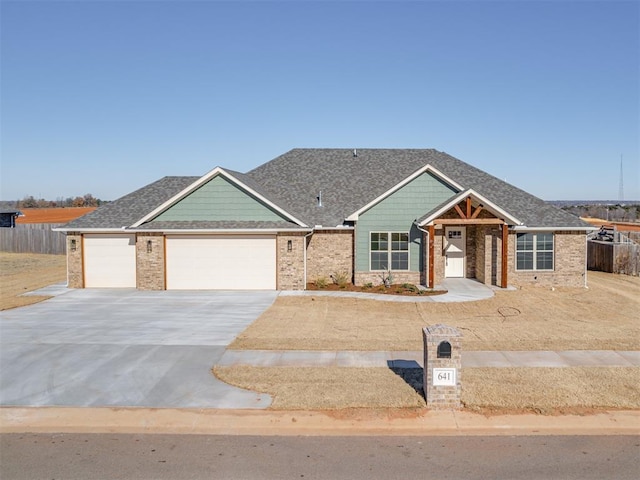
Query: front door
454, 252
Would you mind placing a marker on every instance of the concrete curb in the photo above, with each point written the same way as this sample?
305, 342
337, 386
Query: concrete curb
306, 423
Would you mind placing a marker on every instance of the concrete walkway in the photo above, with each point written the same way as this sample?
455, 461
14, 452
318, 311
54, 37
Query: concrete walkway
302, 358
457, 290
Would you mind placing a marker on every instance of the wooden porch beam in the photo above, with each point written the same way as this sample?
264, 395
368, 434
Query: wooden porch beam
468, 221
468, 208
432, 234
477, 211
459, 210
505, 255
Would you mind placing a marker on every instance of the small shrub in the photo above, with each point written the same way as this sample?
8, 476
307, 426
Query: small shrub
387, 278
340, 278
368, 285
410, 287
321, 282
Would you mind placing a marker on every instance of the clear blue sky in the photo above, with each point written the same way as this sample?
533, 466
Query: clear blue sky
104, 97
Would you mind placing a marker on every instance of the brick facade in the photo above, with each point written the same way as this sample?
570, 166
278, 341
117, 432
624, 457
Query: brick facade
442, 396
484, 258
75, 275
330, 252
150, 261
290, 262
570, 251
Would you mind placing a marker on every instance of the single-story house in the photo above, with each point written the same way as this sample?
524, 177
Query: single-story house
418, 215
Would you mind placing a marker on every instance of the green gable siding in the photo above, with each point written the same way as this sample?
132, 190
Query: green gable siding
397, 213
216, 200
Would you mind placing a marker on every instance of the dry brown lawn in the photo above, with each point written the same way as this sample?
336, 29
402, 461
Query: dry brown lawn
602, 317
25, 272
487, 390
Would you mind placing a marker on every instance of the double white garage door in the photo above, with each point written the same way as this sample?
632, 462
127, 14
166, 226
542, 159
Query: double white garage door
193, 262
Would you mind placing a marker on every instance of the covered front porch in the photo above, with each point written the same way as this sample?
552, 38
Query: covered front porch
467, 237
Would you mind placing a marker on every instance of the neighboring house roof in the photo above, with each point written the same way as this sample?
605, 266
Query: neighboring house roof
8, 218
345, 179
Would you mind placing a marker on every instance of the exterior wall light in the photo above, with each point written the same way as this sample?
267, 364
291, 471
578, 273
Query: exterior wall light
149, 246
289, 245
74, 246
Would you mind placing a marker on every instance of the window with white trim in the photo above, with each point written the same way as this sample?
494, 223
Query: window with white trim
534, 251
389, 251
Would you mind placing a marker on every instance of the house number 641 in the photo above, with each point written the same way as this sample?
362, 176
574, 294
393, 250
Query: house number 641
444, 376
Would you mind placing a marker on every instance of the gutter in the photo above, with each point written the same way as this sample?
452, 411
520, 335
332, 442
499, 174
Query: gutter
252, 231
523, 228
90, 230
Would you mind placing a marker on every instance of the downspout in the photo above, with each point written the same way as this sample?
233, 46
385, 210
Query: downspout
305, 258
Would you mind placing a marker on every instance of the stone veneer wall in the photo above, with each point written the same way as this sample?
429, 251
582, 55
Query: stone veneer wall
375, 278
479, 245
330, 252
488, 255
570, 250
75, 277
438, 256
150, 265
290, 264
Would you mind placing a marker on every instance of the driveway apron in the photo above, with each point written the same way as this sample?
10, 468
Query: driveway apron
99, 347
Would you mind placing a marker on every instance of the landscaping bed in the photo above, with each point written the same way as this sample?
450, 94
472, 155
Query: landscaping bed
394, 289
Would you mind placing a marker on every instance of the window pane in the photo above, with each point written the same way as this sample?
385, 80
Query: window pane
399, 261
399, 241
379, 261
379, 241
524, 241
524, 260
544, 241
544, 261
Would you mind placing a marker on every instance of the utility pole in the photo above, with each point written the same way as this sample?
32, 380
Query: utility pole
621, 185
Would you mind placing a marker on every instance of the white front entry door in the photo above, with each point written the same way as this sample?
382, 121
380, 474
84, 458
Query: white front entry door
454, 251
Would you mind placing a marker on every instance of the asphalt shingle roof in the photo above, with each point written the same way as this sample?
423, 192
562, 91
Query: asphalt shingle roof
346, 182
127, 210
349, 182
217, 225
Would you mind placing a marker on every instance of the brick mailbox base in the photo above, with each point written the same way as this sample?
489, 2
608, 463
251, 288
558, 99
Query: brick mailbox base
442, 362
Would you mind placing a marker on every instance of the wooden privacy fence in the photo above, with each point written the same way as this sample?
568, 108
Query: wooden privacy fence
613, 257
32, 238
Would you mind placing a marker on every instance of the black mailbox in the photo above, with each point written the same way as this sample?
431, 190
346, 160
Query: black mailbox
444, 350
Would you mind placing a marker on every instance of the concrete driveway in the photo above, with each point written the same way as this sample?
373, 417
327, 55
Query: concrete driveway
99, 347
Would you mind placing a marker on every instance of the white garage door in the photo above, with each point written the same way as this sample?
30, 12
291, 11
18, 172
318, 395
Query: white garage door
221, 262
109, 261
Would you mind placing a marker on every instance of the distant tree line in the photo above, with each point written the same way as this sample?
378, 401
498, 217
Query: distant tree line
87, 200
612, 213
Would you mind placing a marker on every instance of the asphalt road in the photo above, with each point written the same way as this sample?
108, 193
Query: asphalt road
111, 456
